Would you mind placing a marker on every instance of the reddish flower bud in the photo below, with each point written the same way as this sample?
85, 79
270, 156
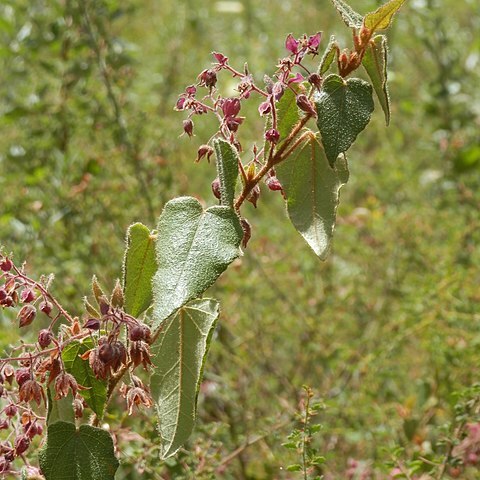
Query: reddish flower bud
247, 231
22, 442
10, 410
314, 40
22, 375
45, 338
204, 150
78, 408
220, 58
316, 80
8, 302
26, 315
231, 107
274, 184
92, 324
254, 195
208, 78
27, 295
6, 265
139, 332
180, 105
306, 105
264, 108
272, 135
216, 188
277, 90
298, 78
3, 294
105, 353
191, 90
291, 44
46, 307
188, 127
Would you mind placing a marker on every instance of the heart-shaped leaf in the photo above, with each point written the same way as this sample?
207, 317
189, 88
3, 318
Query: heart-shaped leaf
139, 267
344, 108
178, 356
312, 189
194, 246
83, 454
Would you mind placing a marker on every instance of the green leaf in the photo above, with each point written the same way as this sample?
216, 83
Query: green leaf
381, 18
194, 246
139, 267
312, 189
344, 108
287, 114
83, 454
296, 467
328, 56
179, 357
95, 394
59, 410
348, 14
227, 169
375, 63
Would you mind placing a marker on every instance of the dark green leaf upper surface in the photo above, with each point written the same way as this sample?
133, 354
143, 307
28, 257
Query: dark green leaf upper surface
287, 114
83, 454
344, 108
179, 356
59, 410
348, 14
375, 63
312, 189
139, 268
95, 393
194, 246
227, 169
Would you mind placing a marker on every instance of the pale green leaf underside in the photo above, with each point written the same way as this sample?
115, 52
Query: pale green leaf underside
139, 268
227, 169
59, 410
382, 17
178, 356
194, 246
375, 63
348, 14
83, 454
95, 393
312, 189
328, 56
344, 109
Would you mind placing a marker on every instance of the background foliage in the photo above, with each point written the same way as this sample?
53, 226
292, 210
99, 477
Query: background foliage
385, 331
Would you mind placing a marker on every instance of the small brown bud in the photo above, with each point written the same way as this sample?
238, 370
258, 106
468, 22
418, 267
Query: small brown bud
78, 408
139, 332
26, 315
92, 324
306, 105
216, 188
6, 265
117, 299
188, 127
22, 375
44, 338
10, 410
27, 295
254, 195
204, 150
247, 231
46, 307
22, 442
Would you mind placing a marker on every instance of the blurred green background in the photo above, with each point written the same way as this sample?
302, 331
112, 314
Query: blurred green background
385, 331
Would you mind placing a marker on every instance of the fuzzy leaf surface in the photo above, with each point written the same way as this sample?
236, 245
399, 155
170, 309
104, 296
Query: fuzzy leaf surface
227, 169
96, 390
194, 246
78, 454
312, 188
375, 63
178, 356
287, 114
328, 56
344, 109
139, 267
382, 17
59, 410
349, 15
